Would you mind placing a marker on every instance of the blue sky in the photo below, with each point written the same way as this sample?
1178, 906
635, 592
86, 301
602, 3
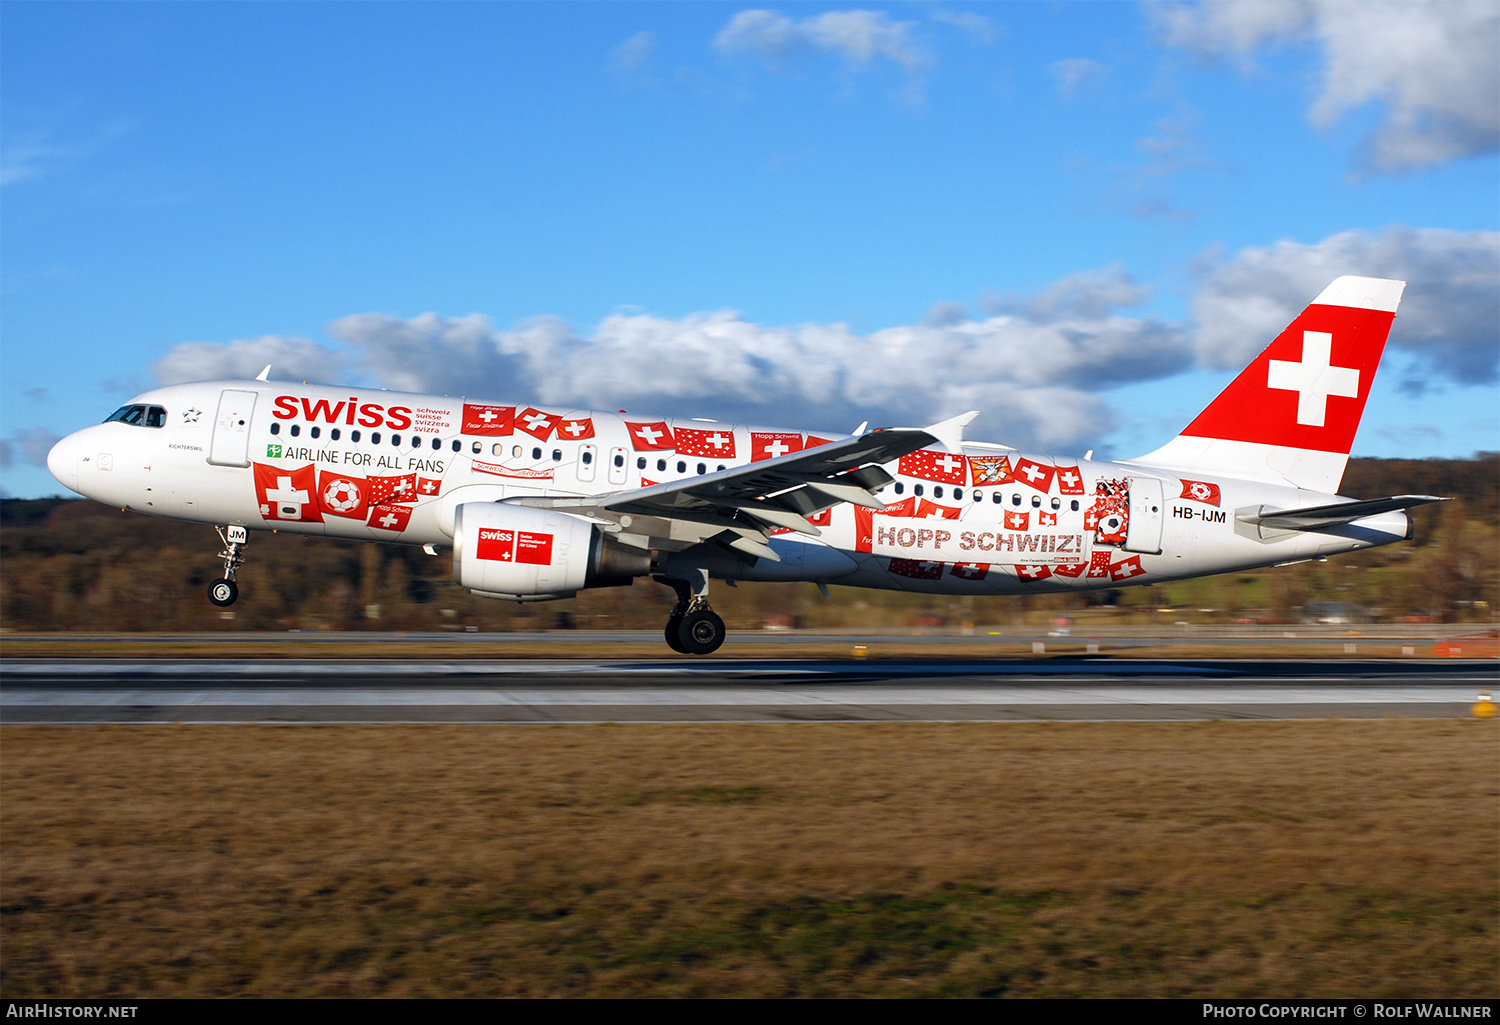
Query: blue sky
1078, 218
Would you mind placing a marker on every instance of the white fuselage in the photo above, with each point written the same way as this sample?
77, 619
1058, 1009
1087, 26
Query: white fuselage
385, 466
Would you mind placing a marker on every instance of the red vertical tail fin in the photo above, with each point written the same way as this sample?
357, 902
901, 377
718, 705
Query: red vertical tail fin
1290, 417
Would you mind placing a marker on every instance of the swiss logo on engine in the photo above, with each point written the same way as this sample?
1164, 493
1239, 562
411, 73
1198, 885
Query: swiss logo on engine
497, 545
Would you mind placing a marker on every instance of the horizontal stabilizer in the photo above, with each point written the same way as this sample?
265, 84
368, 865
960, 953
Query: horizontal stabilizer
1317, 516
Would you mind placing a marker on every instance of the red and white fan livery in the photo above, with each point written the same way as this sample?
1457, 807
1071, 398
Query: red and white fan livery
537, 502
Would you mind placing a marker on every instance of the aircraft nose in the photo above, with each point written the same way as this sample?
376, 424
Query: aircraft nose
62, 462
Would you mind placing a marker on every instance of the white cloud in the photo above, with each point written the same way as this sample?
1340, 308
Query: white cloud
1435, 66
29, 445
633, 54
976, 26
290, 359
1075, 73
1449, 316
858, 36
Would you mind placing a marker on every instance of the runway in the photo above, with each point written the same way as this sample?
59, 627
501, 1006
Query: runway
642, 690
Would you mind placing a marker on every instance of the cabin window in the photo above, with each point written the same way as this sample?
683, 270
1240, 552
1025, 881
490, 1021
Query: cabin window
437, 443
620, 459
496, 450
916, 489
702, 469
275, 428
536, 453
587, 457
334, 434
295, 430
396, 440
314, 431
958, 494
1036, 501
354, 437
1015, 500
374, 437
1057, 503
1075, 505
640, 462
900, 488
458, 446
416, 441
997, 498
475, 448
978, 496
937, 492
682, 466
557, 455
661, 464
515, 451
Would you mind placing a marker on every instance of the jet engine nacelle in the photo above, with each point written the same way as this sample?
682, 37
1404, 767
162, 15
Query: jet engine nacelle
527, 554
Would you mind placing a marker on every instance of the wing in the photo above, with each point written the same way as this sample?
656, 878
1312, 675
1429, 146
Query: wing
739, 507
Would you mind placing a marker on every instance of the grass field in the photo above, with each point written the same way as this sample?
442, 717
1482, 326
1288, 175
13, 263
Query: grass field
1274, 859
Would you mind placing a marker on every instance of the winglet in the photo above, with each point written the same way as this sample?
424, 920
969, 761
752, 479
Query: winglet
264, 375
951, 431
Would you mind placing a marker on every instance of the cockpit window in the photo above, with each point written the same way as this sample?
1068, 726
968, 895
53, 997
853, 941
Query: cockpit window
139, 416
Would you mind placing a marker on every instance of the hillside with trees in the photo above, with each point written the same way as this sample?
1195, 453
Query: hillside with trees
76, 565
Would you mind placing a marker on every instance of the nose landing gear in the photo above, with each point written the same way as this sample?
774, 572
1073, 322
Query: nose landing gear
692, 627
224, 591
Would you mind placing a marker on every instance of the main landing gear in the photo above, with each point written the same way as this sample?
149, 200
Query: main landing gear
692, 627
224, 591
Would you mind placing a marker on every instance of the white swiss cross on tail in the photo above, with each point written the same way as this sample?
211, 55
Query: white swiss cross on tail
1290, 417
1314, 379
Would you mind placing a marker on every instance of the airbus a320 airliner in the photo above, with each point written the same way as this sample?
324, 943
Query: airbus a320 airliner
539, 502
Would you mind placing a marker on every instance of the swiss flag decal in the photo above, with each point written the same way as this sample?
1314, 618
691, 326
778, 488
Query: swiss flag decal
969, 570
575, 430
429, 488
1033, 572
771, 445
488, 420
1131, 567
287, 494
1077, 569
1017, 520
1035, 474
932, 511
390, 517
536, 423
1099, 563
650, 437
715, 444
1069, 480
393, 489
933, 465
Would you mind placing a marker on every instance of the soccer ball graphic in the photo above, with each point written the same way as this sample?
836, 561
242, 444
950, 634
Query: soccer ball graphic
341, 496
1200, 491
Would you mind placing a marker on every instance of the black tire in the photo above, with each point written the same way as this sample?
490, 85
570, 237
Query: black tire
223, 593
671, 635
701, 633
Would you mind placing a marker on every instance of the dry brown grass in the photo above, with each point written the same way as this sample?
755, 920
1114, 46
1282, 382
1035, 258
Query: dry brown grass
1277, 859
